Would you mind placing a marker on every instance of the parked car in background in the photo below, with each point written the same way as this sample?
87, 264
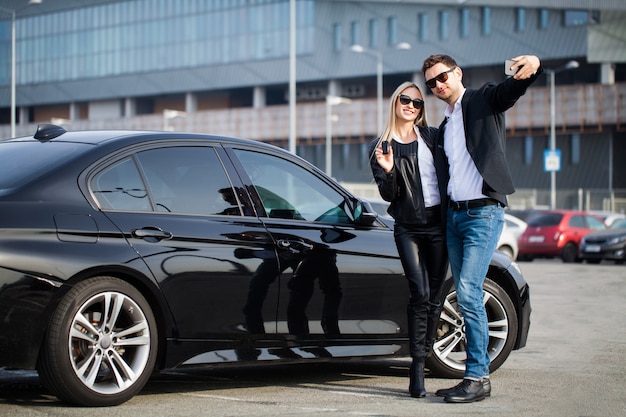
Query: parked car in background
607, 244
556, 233
608, 217
124, 252
516, 225
507, 242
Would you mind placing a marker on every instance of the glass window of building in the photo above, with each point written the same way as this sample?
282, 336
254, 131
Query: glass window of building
118, 38
575, 148
486, 21
355, 33
575, 17
464, 22
392, 30
520, 19
528, 150
373, 33
544, 17
422, 27
443, 25
337, 36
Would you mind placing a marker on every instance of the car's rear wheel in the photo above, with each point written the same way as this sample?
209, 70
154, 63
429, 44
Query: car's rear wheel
101, 346
449, 354
569, 253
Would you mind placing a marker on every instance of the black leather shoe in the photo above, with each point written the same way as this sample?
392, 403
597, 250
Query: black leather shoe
468, 392
444, 392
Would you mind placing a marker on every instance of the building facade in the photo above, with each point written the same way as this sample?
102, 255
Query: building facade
226, 67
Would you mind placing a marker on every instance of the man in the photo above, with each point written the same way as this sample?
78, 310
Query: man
472, 136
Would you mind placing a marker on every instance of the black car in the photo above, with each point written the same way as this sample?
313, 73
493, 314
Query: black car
609, 244
124, 252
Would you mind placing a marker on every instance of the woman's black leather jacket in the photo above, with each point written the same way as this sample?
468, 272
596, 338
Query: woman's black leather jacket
402, 186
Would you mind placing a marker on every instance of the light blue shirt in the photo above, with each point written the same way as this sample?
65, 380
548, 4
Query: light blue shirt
465, 183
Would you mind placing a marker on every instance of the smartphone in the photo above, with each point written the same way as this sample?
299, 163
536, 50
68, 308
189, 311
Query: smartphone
385, 146
507, 67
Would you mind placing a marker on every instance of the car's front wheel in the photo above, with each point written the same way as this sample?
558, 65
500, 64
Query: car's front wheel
101, 345
449, 354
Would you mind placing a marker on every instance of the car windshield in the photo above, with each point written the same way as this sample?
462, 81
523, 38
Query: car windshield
619, 224
22, 161
546, 219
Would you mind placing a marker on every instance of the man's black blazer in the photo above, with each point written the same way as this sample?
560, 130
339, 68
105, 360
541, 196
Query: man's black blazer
485, 131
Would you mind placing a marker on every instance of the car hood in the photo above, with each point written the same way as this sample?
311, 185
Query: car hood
608, 233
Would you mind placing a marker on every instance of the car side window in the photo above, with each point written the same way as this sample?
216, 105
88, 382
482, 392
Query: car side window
291, 192
595, 224
577, 221
119, 187
188, 179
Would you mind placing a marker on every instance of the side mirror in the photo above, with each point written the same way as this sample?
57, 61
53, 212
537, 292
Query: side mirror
364, 214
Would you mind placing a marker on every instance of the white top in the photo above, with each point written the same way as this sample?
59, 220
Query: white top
465, 183
428, 175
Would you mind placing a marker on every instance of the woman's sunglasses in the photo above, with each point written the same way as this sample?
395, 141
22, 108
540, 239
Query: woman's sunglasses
417, 103
442, 78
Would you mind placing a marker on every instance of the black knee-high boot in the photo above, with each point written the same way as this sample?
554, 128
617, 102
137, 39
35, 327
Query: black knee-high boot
416, 378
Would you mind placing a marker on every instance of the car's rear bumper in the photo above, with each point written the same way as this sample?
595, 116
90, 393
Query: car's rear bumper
24, 304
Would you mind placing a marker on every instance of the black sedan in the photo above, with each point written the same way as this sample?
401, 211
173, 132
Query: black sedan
609, 244
124, 252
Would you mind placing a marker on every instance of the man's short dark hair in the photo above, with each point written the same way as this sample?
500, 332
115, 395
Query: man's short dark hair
432, 60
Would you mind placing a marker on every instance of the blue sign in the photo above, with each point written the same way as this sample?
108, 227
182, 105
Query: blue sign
552, 160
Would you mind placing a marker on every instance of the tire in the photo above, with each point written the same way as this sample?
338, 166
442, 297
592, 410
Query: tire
448, 357
569, 253
101, 345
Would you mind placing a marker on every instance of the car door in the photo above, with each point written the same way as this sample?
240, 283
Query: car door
184, 211
338, 280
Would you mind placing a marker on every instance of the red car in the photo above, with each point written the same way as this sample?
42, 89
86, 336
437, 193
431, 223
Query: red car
556, 233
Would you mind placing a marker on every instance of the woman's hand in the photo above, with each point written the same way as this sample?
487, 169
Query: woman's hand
385, 160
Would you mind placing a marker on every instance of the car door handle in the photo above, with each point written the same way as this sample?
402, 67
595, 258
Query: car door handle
296, 245
150, 233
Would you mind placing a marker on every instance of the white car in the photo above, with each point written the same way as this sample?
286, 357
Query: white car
508, 242
515, 224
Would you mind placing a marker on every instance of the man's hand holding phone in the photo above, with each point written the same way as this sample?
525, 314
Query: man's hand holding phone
522, 67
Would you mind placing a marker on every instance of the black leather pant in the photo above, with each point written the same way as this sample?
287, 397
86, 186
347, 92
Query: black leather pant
424, 257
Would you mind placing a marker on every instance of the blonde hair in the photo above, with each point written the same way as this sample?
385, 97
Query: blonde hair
391, 117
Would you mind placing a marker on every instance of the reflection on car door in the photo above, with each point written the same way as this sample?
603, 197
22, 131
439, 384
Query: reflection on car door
194, 226
337, 279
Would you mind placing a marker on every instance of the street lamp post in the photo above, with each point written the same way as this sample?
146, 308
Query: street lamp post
13, 87
379, 78
330, 102
551, 74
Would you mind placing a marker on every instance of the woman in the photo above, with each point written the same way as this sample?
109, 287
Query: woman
406, 177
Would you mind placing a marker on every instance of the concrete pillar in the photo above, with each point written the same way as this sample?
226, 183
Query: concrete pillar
607, 73
74, 111
130, 107
23, 115
418, 80
259, 97
191, 103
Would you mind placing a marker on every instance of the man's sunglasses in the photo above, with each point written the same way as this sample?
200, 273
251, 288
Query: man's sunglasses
417, 103
442, 78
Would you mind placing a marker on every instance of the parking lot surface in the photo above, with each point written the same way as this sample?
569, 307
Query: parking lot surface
573, 365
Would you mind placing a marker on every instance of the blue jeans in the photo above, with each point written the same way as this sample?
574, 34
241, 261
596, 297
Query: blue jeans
472, 236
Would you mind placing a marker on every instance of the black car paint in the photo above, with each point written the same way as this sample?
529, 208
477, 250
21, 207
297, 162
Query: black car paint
47, 248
